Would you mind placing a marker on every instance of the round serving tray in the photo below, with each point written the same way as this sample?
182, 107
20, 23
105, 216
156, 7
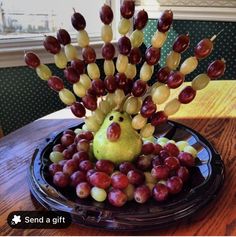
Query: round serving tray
205, 181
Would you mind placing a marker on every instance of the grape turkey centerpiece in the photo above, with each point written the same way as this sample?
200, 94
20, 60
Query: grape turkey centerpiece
115, 147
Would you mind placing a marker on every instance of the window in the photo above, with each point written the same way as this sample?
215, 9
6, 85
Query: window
23, 25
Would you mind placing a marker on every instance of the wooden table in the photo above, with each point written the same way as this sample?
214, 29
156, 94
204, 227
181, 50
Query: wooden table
212, 113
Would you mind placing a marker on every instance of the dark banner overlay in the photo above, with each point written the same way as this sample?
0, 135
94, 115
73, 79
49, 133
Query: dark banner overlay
39, 220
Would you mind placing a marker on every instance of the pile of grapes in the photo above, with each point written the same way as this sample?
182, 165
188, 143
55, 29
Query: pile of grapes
159, 171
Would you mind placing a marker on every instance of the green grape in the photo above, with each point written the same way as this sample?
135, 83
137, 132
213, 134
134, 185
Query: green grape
171, 141
91, 124
149, 178
106, 33
189, 65
82, 38
154, 86
140, 102
84, 127
149, 139
43, 72
131, 71
78, 131
119, 96
147, 130
56, 156
124, 26
162, 182
67, 97
104, 106
122, 63
93, 71
162, 139
131, 105
85, 81
160, 94
60, 60
159, 39
191, 150
136, 38
172, 107
109, 67
138, 122
173, 60
129, 191
71, 52
200, 81
162, 144
79, 89
150, 186
99, 116
181, 145
110, 98
98, 194
146, 72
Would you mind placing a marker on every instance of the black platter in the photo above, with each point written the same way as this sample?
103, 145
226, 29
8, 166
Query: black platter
203, 186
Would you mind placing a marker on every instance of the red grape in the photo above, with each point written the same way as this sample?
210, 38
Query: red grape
117, 198
58, 147
203, 48
69, 131
106, 14
78, 109
127, 9
164, 154
142, 194
152, 55
172, 163
136, 177
140, 20
181, 43
77, 177
63, 37
186, 159
99, 87
124, 45
174, 185
51, 44
91, 91
143, 162
128, 86
55, 83
90, 172
113, 132
90, 102
216, 69
105, 166
89, 54
183, 173
148, 109
78, 21
83, 145
72, 148
108, 51
110, 84
139, 88
67, 154
85, 135
163, 74
60, 179
135, 56
70, 167
157, 149
160, 192
172, 149
67, 139
121, 80
83, 190
78, 65
160, 172
71, 75
125, 167
80, 156
175, 79
119, 181
158, 118
147, 148
156, 161
165, 21
62, 162
100, 180
86, 165
187, 95
32, 60
54, 167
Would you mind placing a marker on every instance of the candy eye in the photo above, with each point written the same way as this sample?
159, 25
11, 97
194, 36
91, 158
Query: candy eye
111, 118
121, 119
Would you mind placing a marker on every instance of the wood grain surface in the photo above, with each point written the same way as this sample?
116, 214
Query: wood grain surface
212, 113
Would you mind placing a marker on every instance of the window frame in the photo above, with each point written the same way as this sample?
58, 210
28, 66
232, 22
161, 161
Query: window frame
12, 50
